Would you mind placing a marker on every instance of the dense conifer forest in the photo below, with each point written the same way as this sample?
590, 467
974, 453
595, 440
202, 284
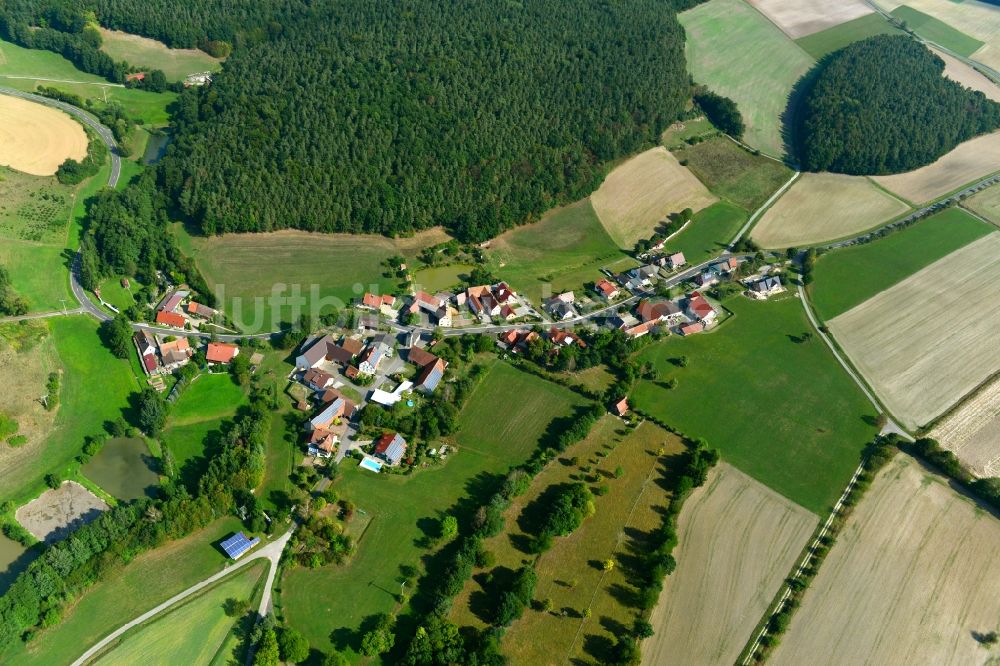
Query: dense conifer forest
883, 105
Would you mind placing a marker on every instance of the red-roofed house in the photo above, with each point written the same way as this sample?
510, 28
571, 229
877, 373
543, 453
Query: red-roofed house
137, 76
606, 289
656, 310
221, 352
691, 328
700, 309
621, 407
385, 304
676, 260
390, 447
640, 329
170, 319
560, 337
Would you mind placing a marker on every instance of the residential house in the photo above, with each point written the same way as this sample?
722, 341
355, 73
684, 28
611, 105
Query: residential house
676, 260
624, 320
507, 313
325, 419
766, 286
691, 328
323, 443
200, 310
726, 266
368, 322
446, 316
644, 275
620, 408
607, 289
431, 376
562, 311
315, 353
221, 352
171, 301
378, 349
175, 353
170, 319
389, 399
424, 301
639, 330
700, 309
657, 311
390, 447
562, 338
707, 277
517, 338
420, 357
566, 297
144, 342
385, 304
317, 379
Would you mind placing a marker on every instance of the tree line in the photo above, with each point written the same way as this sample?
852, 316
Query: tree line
882, 105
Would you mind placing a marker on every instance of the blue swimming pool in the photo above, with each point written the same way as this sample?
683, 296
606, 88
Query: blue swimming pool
371, 465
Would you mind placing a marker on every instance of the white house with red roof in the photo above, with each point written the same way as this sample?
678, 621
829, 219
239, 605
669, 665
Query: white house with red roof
700, 309
607, 289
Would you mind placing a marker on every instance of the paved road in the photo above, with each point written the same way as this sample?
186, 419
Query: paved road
271, 551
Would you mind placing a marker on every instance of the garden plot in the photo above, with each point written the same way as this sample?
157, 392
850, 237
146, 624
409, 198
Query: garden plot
638, 195
36, 139
57, 512
911, 580
969, 161
929, 340
737, 540
798, 18
825, 206
972, 432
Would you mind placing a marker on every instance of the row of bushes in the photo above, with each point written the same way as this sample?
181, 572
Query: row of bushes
988, 489
876, 456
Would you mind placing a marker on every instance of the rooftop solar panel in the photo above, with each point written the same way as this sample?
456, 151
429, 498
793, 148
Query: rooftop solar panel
238, 544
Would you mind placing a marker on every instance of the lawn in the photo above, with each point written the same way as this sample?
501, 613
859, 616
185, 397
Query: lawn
566, 573
850, 276
303, 271
125, 468
145, 52
937, 31
433, 279
778, 408
676, 136
25, 69
562, 251
150, 579
734, 173
95, 388
737, 52
709, 233
832, 39
328, 604
201, 624
195, 421
114, 293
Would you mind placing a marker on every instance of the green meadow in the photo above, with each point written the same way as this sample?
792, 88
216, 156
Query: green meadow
937, 31
709, 232
833, 39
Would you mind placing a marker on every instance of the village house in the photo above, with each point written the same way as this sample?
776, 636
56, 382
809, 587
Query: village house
323, 443
639, 330
431, 368
172, 300
199, 310
328, 349
707, 277
221, 353
765, 287
675, 260
620, 408
726, 266
643, 276
562, 338
170, 319
378, 348
146, 347
517, 339
700, 309
390, 447
317, 380
607, 289
175, 353
691, 327
329, 416
385, 304
657, 311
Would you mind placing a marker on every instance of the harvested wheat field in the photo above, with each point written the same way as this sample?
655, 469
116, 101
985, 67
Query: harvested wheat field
36, 139
798, 18
972, 432
639, 194
737, 540
926, 342
959, 71
911, 580
973, 159
822, 207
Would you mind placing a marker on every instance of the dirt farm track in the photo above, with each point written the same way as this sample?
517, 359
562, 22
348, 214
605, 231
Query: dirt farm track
912, 579
36, 139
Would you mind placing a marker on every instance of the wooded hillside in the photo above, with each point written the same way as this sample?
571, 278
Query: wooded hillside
883, 105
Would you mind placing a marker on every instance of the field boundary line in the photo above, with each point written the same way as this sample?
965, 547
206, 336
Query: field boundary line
79, 83
760, 211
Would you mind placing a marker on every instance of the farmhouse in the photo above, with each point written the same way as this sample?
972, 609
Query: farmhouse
330, 414
657, 311
700, 309
317, 379
431, 376
639, 330
171, 301
221, 352
199, 310
390, 447
146, 347
175, 353
606, 289
384, 304
322, 443
562, 338
170, 319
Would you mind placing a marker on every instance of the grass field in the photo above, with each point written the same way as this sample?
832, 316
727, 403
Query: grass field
562, 251
332, 601
733, 173
737, 52
849, 276
36, 139
986, 204
637, 196
972, 432
135, 588
27, 356
436, 278
798, 18
191, 633
313, 270
978, 20
83, 409
567, 573
712, 602
114, 293
969, 161
145, 52
903, 341
822, 207
832, 39
25, 69
908, 581
782, 411
937, 31
676, 136
124, 468
709, 232
195, 420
